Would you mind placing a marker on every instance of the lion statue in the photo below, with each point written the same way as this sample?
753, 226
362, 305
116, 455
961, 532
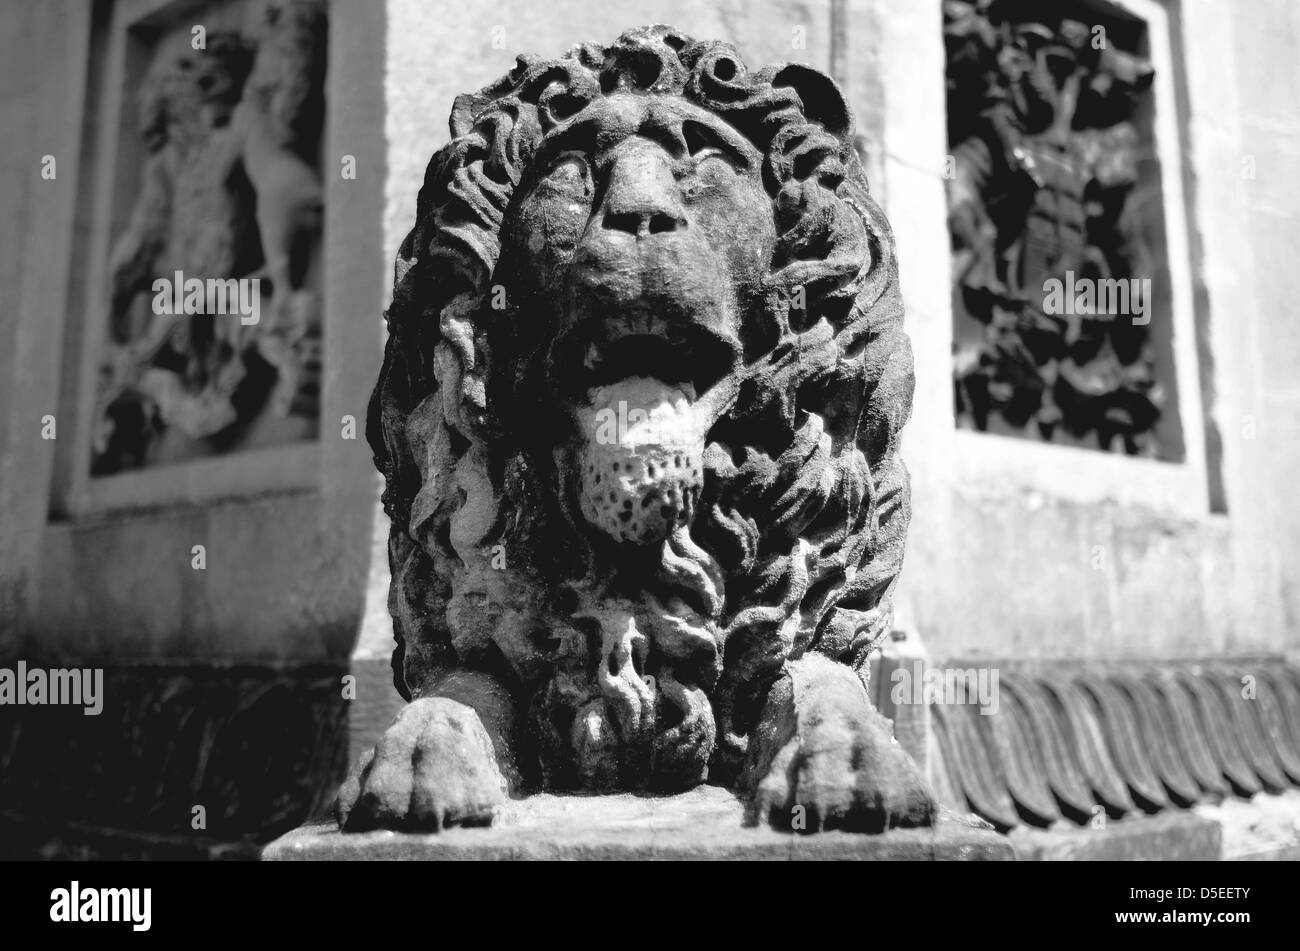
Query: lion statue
638, 420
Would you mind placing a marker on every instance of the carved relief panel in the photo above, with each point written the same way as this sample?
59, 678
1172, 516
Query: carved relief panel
212, 298
1060, 283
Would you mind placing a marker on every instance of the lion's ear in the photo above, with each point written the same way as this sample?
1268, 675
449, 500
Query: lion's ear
465, 108
822, 100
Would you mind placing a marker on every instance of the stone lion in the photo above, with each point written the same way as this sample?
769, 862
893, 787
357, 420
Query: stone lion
638, 420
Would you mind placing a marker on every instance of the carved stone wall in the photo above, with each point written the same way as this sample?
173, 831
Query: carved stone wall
195, 151
1054, 211
213, 301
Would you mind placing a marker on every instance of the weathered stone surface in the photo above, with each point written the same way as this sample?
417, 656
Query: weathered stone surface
1171, 837
822, 752
434, 768
1265, 828
638, 422
703, 823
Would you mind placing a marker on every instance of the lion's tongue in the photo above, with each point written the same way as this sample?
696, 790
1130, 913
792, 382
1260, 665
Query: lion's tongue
640, 458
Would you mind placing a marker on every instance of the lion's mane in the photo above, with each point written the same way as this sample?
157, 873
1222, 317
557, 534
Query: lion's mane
798, 538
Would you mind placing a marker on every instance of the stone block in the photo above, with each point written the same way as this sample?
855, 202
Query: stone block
1173, 837
703, 824
1265, 828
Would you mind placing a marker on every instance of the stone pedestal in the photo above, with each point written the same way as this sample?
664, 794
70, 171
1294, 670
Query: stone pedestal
1170, 837
1265, 828
704, 823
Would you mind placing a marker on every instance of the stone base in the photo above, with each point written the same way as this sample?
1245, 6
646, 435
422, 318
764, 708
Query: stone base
704, 824
1267, 828
1172, 837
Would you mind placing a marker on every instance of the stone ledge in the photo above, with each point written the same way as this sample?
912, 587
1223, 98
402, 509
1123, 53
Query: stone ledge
703, 824
1265, 828
1171, 837
24, 837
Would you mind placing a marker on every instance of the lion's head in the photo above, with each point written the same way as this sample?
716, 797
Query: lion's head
640, 403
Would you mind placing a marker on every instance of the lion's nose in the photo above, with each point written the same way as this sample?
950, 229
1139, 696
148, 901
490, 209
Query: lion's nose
641, 198
640, 223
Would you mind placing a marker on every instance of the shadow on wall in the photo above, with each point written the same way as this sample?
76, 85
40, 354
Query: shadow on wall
183, 762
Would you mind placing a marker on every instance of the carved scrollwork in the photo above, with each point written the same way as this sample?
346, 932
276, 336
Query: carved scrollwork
1111, 742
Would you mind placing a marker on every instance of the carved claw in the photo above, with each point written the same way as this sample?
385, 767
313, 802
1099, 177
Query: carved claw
434, 767
823, 758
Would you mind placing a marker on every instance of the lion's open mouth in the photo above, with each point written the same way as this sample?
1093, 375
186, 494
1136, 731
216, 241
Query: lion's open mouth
604, 350
632, 382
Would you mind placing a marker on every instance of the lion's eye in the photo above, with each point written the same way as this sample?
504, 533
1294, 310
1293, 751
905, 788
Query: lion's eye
711, 161
705, 170
569, 177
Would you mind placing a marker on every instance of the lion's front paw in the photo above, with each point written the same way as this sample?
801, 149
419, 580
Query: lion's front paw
823, 758
434, 767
